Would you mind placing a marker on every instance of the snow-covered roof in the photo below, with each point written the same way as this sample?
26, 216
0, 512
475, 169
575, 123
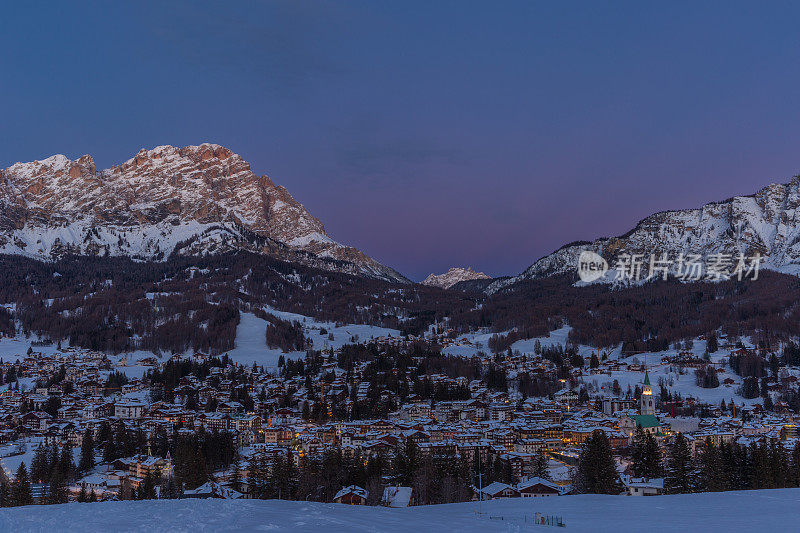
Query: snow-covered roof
355, 489
397, 496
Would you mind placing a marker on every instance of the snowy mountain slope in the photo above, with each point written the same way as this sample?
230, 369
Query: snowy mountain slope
757, 510
189, 201
766, 223
250, 346
453, 276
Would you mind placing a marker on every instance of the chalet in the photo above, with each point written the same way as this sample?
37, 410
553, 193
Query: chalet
36, 420
417, 411
101, 485
416, 436
446, 448
281, 416
141, 465
230, 407
530, 445
98, 410
566, 397
537, 487
645, 487
496, 490
352, 495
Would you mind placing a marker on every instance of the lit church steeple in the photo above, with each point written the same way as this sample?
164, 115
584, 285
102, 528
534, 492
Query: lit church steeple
646, 403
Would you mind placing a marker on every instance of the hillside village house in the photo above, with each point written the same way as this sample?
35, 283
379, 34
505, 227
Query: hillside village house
566, 397
537, 487
129, 409
352, 495
645, 487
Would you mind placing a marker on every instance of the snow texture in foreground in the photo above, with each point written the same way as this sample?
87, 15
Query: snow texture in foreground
766, 510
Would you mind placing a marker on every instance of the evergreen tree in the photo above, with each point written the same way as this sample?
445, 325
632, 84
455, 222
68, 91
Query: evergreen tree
637, 451
710, 475
540, 466
40, 465
257, 472
742, 474
148, 488
110, 449
86, 461
407, 462
713, 344
678, 479
777, 463
236, 479
57, 490
496, 473
646, 455
769, 405
651, 458
597, 472
170, 489
66, 466
5, 495
508, 473
21, 487
82, 496
794, 470
92, 497
53, 461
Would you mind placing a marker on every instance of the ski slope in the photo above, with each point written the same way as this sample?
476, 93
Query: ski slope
251, 342
250, 346
766, 510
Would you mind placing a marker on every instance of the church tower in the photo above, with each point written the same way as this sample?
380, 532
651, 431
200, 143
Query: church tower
647, 405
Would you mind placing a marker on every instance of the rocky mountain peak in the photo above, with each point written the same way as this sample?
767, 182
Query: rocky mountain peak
453, 276
191, 200
765, 223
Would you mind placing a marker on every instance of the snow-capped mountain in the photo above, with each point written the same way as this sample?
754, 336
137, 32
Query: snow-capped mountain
765, 223
453, 276
188, 201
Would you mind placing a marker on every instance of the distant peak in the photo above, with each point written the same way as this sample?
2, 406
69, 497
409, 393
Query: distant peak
453, 276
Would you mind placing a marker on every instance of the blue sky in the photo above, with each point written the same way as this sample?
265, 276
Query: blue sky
428, 134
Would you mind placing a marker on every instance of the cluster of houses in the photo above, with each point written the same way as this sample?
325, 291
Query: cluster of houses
493, 426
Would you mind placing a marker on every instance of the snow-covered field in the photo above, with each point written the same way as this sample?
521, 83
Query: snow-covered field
766, 510
251, 341
251, 344
23, 450
470, 344
342, 334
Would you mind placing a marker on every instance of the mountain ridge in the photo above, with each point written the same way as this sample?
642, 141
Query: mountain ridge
766, 222
192, 201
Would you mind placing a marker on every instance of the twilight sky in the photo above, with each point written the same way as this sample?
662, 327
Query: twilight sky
429, 134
